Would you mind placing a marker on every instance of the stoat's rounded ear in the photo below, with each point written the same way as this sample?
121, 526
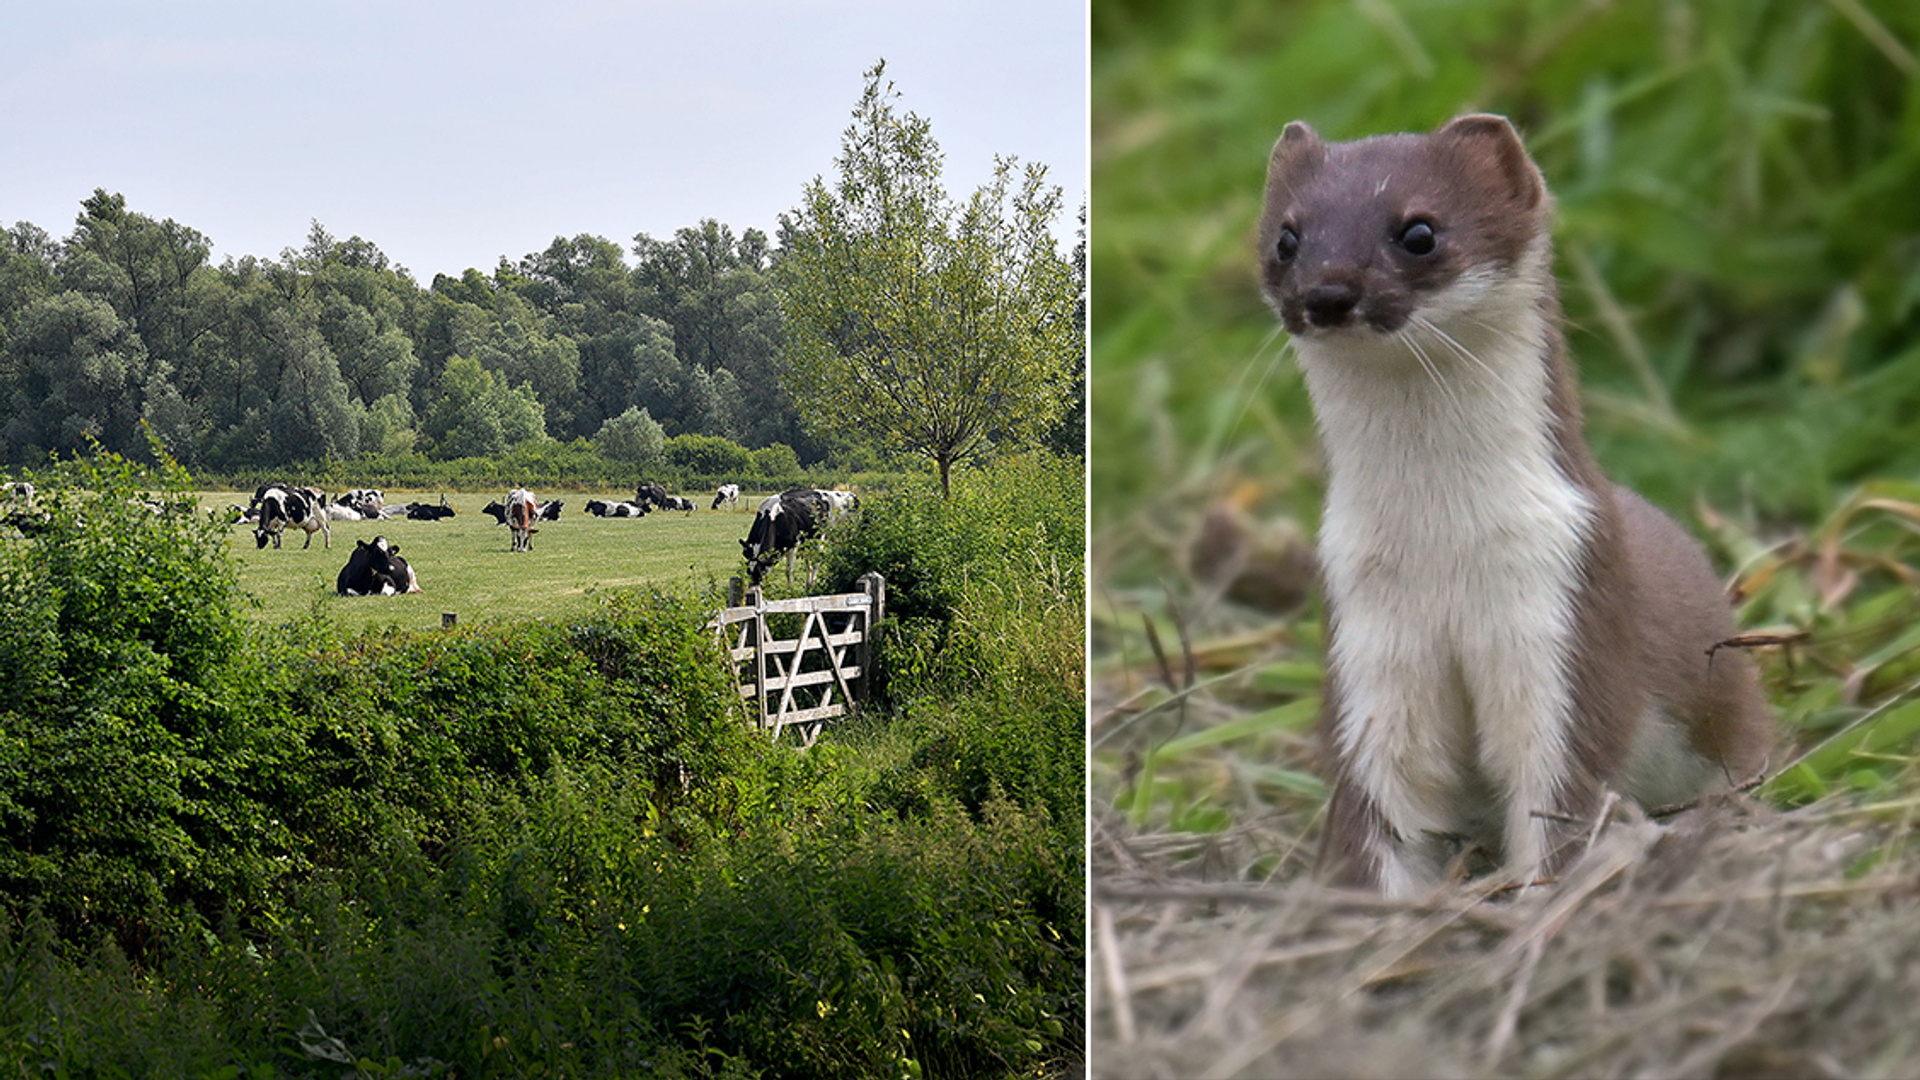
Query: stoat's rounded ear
1496, 145
1296, 139
1299, 147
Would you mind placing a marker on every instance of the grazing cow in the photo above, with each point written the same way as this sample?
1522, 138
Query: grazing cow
840, 501
726, 493
20, 491
376, 569
279, 506
616, 509
522, 510
782, 522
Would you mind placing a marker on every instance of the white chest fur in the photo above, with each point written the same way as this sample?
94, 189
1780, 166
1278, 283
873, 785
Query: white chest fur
1452, 547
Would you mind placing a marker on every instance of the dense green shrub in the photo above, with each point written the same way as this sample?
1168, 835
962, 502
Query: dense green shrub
776, 463
983, 649
708, 455
128, 751
1018, 515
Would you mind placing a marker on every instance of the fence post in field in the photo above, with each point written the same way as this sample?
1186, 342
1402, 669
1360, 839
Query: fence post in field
759, 642
736, 589
875, 586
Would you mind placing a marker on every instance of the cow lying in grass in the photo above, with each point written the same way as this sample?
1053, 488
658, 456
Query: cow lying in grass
376, 569
420, 511
598, 508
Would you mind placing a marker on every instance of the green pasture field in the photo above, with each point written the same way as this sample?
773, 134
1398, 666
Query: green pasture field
465, 567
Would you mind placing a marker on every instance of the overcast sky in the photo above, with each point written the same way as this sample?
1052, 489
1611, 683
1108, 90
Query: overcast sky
452, 134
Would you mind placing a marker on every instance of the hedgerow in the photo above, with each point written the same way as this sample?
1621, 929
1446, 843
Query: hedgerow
506, 849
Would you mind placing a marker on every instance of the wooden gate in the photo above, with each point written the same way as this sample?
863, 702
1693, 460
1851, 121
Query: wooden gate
821, 673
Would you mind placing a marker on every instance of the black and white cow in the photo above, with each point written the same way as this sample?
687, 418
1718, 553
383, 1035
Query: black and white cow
551, 511
652, 496
599, 508
376, 569
522, 510
840, 502
728, 494
677, 502
279, 506
366, 502
420, 511
781, 523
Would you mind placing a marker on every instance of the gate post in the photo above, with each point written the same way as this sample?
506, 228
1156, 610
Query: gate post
752, 599
875, 586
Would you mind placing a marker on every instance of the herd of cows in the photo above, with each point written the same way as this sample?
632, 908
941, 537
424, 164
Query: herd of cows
376, 568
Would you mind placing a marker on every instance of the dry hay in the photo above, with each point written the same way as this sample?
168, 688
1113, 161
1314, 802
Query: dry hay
1732, 940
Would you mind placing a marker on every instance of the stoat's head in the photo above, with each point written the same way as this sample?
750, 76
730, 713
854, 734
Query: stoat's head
1360, 237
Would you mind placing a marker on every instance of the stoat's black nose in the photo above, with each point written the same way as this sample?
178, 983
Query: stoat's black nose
1331, 304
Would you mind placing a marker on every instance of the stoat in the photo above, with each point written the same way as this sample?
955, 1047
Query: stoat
1509, 634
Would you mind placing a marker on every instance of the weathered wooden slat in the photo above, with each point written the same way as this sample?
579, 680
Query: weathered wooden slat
804, 716
800, 605
810, 678
815, 678
840, 640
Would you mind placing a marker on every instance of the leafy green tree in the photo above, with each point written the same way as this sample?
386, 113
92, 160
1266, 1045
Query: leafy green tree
386, 426
27, 256
519, 352
79, 376
939, 325
632, 437
1069, 435
310, 418
123, 755
150, 271
477, 414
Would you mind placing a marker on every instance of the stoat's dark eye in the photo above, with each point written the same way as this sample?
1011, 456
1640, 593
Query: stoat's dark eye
1417, 238
1288, 245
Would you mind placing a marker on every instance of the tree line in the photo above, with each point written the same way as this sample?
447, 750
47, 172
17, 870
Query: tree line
872, 325
333, 351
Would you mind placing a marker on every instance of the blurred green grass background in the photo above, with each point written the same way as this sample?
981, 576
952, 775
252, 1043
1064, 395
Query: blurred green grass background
1737, 231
